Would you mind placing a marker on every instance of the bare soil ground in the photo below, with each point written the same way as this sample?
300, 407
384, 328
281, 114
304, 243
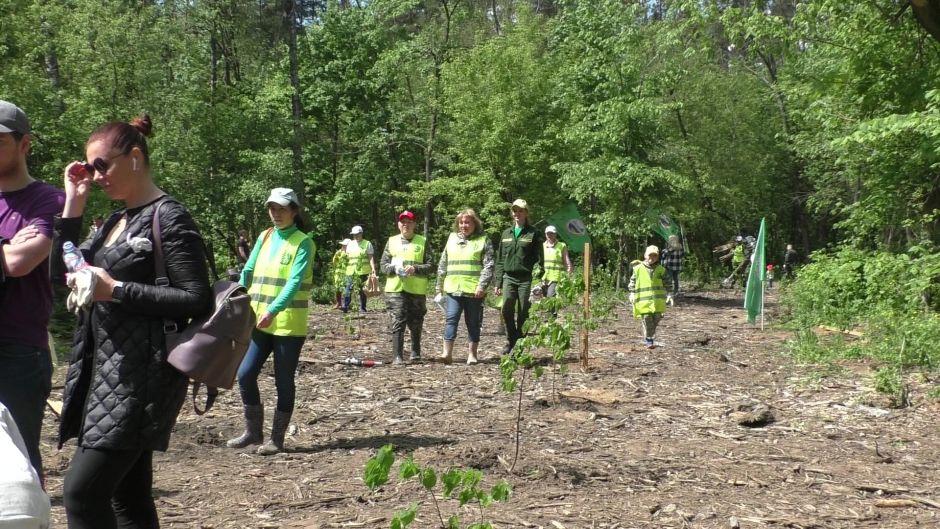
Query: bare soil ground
645, 438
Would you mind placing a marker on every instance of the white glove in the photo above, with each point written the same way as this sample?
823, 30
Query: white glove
82, 284
139, 244
632, 298
439, 300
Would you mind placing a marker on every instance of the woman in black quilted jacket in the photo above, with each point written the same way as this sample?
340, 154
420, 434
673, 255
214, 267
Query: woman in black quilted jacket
121, 398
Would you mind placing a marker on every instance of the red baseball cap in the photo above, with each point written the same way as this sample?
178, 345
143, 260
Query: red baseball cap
407, 215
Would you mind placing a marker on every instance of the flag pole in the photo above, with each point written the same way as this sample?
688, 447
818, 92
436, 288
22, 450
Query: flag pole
763, 292
587, 305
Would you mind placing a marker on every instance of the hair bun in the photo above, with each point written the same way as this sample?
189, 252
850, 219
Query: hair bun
143, 124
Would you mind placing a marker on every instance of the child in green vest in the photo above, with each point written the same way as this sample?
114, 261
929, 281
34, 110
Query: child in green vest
648, 293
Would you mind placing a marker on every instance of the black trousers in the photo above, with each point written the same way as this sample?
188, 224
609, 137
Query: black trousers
110, 489
516, 305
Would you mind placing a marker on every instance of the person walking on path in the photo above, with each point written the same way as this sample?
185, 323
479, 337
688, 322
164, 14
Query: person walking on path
242, 247
463, 274
406, 262
338, 270
557, 261
672, 258
121, 397
27, 208
790, 258
360, 265
648, 294
520, 248
279, 279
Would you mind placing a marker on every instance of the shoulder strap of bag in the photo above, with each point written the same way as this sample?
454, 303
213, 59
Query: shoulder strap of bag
169, 326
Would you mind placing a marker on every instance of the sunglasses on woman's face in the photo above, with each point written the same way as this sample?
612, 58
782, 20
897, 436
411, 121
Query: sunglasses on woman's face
101, 165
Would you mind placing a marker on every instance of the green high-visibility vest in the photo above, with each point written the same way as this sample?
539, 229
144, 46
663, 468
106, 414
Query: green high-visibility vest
270, 276
464, 264
411, 254
650, 294
554, 261
358, 263
339, 268
738, 256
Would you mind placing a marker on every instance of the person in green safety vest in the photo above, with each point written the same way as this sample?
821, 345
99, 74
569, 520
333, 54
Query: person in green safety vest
279, 279
463, 274
557, 261
338, 273
648, 293
406, 263
360, 265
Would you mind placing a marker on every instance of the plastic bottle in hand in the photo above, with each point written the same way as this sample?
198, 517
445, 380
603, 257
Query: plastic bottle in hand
72, 257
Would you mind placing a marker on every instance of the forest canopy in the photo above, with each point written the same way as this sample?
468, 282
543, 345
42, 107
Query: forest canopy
821, 115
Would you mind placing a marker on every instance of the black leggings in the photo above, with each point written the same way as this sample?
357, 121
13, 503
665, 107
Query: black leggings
110, 489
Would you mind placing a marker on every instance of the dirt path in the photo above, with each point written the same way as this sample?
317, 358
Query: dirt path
659, 447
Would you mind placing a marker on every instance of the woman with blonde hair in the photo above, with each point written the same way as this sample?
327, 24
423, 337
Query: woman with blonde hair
463, 273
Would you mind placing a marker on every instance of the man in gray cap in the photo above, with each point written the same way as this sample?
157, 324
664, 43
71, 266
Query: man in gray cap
27, 207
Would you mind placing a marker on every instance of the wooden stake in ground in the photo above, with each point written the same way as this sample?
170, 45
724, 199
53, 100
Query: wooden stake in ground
587, 305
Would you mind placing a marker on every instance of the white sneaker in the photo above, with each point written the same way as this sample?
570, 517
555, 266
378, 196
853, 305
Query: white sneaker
669, 300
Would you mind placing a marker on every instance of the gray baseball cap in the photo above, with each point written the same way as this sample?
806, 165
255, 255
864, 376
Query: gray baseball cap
13, 119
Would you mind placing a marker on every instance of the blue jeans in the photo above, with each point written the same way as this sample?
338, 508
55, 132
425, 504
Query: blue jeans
347, 293
472, 309
286, 351
25, 383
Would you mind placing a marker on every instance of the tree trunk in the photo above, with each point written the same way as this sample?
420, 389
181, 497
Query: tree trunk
290, 15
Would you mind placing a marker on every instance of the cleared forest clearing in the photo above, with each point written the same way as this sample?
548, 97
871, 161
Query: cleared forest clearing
645, 438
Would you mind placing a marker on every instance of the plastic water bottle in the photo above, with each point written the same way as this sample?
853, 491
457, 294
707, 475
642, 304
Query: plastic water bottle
72, 257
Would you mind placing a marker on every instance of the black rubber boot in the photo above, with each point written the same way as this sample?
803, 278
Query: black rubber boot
398, 343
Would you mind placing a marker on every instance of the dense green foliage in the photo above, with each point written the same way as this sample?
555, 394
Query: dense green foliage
821, 115
890, 298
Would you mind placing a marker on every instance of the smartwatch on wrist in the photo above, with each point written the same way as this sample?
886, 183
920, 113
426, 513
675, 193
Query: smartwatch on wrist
117, 293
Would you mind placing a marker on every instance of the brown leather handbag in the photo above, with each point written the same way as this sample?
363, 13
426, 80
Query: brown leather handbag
208, 349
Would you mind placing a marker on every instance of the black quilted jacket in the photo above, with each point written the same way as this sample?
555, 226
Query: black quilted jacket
119, 391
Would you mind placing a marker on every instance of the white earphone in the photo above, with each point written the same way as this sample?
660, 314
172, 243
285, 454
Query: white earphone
135, 163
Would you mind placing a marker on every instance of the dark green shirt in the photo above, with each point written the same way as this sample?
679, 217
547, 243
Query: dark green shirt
517, 254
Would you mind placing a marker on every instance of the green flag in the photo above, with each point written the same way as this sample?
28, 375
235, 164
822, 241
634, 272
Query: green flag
754, 294
660, 223
571, 228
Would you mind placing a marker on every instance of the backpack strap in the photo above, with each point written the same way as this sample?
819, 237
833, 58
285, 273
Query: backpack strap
170, 326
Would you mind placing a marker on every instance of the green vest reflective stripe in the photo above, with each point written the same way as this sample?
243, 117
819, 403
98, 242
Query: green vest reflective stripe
358, 263
554, 261
464, 264
650, 294
267, 281
411, 254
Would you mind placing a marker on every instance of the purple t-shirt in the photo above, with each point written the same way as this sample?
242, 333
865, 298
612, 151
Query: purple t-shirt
26, 302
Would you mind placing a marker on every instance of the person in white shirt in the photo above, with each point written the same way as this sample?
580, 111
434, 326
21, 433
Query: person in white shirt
23, 503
